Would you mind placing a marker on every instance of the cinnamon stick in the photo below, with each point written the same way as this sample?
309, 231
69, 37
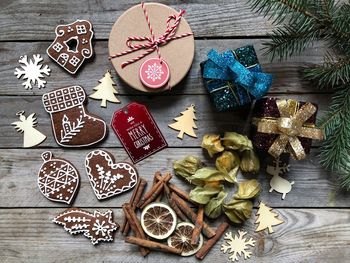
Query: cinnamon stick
152, 245
211, 242
156, 178
172, 203
135, 199
198, 225
206, 229
154, 192
180, 193
135, 226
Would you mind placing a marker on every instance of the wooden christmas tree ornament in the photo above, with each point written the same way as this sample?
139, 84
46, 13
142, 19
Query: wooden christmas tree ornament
266, 218
105, 91
278, 183
185, 123
31, 136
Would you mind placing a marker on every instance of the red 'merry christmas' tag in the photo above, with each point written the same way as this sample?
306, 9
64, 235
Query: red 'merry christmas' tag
137, 131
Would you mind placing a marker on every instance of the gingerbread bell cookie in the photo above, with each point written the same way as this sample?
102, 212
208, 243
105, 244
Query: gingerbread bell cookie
97, 226
58, 179
72, 45
72, 125
107, 177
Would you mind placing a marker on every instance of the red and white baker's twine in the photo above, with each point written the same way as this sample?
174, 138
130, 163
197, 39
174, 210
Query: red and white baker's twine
152, 43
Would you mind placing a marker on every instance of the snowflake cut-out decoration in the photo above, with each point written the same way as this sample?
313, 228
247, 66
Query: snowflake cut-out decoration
237, 245
32, 71
154, 72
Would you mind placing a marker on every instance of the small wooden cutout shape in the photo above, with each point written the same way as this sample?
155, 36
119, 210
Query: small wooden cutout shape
31, 136
266, 218
238, 244
185, 123
32, 71
105, 90
278, 183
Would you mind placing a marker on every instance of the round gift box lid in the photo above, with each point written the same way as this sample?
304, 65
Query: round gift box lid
178, 53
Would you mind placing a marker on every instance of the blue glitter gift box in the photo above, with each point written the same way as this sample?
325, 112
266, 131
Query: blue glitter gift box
234, 78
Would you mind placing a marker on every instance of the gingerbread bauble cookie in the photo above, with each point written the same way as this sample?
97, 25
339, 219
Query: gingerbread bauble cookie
151, 47
107, 177
72, 125
72, 45
58, 179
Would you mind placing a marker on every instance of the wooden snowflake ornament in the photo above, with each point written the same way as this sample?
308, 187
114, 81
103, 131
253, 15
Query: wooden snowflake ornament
31, 136
185, 123
266, 218
97, 226
278, 183
32, 71
105, 90
237, 245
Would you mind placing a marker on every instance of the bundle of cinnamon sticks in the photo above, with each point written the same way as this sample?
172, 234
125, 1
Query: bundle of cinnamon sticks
178, 201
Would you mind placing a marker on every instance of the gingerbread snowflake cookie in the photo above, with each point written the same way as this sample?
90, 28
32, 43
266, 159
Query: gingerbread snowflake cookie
72, 125
72, 45
58, 179
97, 226
107, 177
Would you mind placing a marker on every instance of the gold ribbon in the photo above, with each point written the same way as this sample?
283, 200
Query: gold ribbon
290, 126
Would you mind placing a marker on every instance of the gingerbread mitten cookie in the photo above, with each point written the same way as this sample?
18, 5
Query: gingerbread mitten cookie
72, 45
72, 125
58, 179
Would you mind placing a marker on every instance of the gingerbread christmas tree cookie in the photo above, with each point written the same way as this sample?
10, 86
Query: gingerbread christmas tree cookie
72, 125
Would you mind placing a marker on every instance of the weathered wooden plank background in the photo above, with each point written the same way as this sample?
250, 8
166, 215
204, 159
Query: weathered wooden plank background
316, 212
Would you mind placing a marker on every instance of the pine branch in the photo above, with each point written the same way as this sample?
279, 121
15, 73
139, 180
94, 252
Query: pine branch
336, 145
282, 10
333, 73
289, 40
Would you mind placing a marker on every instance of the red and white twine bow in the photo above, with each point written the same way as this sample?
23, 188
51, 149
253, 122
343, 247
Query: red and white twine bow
152, 43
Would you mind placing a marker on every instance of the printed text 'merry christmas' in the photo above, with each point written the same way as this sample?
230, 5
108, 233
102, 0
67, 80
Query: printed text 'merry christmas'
140, 136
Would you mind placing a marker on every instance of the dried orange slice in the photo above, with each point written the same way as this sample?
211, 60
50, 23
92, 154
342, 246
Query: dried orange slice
158, 220
181, 239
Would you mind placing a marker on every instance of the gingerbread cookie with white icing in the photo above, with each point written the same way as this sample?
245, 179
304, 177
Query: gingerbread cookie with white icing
58, 179
107, 177
72, 45
97, 226
72, 125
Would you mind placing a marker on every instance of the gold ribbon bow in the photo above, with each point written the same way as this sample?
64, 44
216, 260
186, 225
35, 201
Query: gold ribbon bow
290, 126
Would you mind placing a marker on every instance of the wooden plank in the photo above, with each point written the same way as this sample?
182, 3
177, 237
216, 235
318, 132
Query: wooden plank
33, 20
163, 109
286, 74
308, 235
19, 169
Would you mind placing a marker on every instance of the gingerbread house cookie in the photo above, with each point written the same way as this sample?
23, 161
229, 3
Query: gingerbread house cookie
72, 45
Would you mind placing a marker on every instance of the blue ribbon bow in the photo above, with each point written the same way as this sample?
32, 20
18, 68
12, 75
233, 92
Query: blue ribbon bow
226, 67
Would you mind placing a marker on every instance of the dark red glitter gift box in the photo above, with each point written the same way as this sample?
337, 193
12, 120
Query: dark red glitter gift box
266, 109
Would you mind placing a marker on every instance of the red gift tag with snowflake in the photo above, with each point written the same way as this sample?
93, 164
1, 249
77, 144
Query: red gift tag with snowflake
137, 131
154, 73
